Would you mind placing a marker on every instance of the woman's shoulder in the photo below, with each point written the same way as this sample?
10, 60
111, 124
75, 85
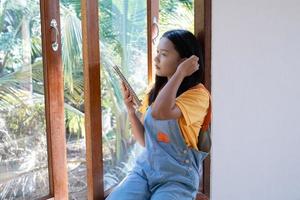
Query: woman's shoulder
195, 97
198, 91
200, 87
194, 104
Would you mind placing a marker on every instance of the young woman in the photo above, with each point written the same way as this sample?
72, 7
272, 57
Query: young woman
170, 165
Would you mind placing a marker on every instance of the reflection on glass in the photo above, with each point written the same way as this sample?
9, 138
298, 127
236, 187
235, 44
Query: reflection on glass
74, 100
23, 146
123, 41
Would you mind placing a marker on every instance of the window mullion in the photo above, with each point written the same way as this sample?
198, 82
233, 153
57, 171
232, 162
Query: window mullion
92, 98
54, 101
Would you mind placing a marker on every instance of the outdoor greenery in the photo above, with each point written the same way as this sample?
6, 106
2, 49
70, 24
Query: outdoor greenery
23, 145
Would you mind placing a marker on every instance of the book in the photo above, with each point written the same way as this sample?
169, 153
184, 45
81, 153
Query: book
122, 77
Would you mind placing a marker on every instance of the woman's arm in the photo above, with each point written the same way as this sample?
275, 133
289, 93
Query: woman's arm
137, 128
136, 124
164, 106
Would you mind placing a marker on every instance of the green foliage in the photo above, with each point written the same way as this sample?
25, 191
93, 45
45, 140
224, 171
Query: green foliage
22, 120
187, 3
176, 14
74, 122
169, 6
106, 21
123, 42
74, 5
71, 47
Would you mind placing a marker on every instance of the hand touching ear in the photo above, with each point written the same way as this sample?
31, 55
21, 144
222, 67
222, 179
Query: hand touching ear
188, 66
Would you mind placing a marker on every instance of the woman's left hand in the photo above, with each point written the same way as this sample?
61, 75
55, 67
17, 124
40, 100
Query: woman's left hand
188, 66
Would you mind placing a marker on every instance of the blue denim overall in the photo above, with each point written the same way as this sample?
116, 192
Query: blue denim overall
165, 170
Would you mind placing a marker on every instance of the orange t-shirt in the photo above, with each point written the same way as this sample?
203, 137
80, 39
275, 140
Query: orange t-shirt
193, 104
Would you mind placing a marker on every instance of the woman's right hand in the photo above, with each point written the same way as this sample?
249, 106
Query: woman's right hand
188, 66
128, 99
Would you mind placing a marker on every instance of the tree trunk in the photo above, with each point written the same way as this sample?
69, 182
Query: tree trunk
26, 44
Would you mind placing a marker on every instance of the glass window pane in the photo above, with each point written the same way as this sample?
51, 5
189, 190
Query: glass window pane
23, 144
123, 41
176, 14
71, 36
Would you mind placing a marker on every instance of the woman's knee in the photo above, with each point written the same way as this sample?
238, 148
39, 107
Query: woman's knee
133, 187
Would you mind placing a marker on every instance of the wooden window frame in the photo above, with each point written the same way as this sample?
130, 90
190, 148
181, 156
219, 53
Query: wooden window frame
54, 103
152, 12
202, 10
92, 98
54, 100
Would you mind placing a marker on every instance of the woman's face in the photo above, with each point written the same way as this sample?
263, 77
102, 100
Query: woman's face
167, 58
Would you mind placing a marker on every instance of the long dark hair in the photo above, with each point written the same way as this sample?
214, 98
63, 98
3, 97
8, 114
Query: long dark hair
186, 45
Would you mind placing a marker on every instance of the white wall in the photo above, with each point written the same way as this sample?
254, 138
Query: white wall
256, 100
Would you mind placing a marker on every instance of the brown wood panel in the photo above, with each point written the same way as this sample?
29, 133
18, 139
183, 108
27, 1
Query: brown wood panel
207, 50
152, 11
203, 32
207, 43
149, 39
92, 101
199, 17
202, 197
54, 102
